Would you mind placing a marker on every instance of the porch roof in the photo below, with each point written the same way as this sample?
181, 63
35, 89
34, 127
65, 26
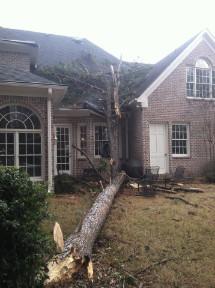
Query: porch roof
11, 74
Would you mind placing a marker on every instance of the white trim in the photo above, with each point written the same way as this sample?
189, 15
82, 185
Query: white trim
69, 126
188, 141
49, 128
97, 124
143, 98
166, 144
79, 156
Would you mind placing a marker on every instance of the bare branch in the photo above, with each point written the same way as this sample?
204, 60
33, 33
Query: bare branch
91, 163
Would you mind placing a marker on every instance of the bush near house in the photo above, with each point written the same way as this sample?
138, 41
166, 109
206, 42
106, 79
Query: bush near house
23, 244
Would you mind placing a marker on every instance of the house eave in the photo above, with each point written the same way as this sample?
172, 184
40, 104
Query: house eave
33, 90
75, 112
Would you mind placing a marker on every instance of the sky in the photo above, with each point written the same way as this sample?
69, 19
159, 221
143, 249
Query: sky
139, 30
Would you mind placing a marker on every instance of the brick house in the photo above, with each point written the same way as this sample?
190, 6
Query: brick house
36, 131
173, 108
162, 127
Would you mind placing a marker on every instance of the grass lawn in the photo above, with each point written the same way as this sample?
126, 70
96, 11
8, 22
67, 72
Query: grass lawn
148, 242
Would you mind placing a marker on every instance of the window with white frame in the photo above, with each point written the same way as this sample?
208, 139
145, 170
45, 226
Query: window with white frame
101, 144
63, 148
180, 140
82, 139
200, 80
20, 139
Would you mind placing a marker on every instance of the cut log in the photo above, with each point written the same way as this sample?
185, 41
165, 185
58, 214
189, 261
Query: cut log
158, 189
78, 247
193, 190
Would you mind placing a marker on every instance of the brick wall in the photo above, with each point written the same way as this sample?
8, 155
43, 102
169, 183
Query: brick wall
19, 60
169, 104
78, 164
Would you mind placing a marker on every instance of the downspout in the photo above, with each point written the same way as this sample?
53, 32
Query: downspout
49, 124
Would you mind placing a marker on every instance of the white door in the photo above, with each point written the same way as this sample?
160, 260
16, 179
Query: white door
158, 147
62, 150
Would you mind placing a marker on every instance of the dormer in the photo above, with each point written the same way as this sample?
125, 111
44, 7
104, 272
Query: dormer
21, 54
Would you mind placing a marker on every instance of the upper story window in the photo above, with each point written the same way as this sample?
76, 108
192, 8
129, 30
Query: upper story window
200, 80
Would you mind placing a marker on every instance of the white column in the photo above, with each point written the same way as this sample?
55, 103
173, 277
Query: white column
49, 126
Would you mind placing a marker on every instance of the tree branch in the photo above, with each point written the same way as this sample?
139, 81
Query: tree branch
84, 83
90, 161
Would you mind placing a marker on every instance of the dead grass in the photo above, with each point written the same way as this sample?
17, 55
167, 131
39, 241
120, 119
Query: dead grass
141, 231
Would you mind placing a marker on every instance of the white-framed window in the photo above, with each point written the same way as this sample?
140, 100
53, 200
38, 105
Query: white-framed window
101, 144
200, 80
21, 139
180, 140
63, 163
82, 139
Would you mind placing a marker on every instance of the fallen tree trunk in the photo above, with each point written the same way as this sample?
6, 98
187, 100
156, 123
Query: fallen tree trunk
78, 247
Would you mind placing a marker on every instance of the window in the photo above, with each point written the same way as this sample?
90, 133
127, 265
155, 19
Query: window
200, 80
20, 139
63, 149
82, 139
180, 145
101, 144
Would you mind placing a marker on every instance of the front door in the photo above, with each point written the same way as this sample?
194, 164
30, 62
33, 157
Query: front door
62, 150
158, 147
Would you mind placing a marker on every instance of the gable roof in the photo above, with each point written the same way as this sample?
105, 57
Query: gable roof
56, 48
160, 66
164, 67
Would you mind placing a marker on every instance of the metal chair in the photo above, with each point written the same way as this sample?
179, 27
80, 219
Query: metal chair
148, 178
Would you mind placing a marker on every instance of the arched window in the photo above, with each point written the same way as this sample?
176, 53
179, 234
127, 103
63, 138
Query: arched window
201, 80
20, 139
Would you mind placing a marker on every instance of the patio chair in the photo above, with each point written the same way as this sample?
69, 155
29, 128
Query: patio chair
149, 177
178, 174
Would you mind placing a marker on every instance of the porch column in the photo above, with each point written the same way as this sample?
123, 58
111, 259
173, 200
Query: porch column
49, 126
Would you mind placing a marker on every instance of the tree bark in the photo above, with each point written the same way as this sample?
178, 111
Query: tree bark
78, 247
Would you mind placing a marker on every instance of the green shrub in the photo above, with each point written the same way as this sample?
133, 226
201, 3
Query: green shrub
210, 177
64, 183
23, 244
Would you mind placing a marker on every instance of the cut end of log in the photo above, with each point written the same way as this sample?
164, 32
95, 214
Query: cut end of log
58, 236
90, 271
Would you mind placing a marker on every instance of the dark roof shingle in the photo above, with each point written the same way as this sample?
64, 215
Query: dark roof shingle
11, 74
56, 48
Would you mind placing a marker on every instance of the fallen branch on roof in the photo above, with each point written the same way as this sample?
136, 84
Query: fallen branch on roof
78, 247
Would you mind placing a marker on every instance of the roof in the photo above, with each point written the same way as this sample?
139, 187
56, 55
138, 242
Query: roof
8, 35
56, 48
161, 66
11, 74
